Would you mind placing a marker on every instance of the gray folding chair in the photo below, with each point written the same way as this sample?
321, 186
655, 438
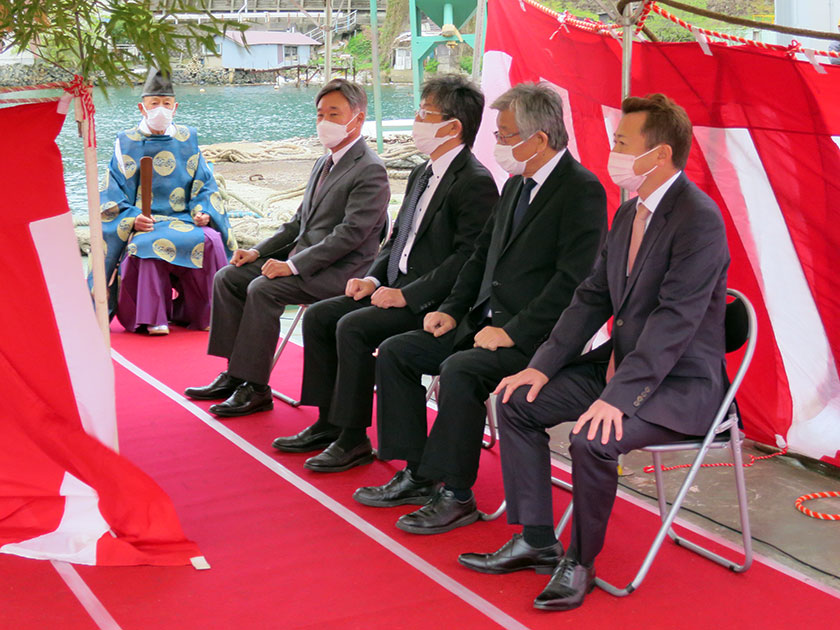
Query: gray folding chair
724, 432
386, 233
282, 346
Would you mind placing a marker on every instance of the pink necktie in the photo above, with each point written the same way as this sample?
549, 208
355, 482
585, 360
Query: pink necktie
636, 236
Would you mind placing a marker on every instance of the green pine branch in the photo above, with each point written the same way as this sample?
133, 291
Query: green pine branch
89, 37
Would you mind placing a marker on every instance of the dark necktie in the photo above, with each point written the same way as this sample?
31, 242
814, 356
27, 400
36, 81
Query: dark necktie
328, 163
406, 224
523, 203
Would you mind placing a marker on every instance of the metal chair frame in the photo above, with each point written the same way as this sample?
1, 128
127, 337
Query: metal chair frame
726, 420
284, 340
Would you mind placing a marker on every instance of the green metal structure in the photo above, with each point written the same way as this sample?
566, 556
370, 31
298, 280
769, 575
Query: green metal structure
444, 13
450, 16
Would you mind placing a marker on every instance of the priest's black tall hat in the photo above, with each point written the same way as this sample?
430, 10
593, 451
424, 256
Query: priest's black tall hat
158, 84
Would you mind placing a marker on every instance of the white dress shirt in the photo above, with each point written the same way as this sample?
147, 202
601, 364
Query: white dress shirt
542, 174
655, 197
439, 167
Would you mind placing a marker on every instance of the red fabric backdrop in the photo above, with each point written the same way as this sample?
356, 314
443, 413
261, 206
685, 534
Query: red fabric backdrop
766, 148
63, 493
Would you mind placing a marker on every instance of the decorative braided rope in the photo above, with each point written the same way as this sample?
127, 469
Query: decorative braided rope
753, 460
793, 48
641, 23
593, 26
78, 87
817, 495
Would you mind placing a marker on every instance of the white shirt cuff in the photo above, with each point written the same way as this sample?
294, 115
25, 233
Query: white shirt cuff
292, 267
374, 280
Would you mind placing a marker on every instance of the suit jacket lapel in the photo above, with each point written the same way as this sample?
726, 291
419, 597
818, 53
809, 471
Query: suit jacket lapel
618, 262
544, 194
507, 217
306, 204
657, 223
442, 190
338, 171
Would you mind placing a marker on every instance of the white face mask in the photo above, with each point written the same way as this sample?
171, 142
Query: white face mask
504, 156
332, 134
424, 136
159, 118
620, 168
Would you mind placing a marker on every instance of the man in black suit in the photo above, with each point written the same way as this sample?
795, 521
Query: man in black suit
662, 277
533, 252
446, 203
333, 236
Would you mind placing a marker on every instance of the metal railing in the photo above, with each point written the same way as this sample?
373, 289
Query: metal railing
340, 24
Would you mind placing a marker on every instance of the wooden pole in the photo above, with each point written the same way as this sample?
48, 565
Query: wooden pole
146, 185
96, 259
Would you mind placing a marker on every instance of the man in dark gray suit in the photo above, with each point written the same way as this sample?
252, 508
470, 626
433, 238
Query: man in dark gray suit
333, 236
662, 277
447, 201
531, 255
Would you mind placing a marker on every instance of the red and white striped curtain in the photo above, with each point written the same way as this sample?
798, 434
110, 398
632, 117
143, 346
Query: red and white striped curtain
766, 148
65, 494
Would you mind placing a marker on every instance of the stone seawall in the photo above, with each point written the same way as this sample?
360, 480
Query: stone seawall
191, 73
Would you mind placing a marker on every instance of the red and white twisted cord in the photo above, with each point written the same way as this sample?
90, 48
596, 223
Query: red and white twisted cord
593, 26
645, 11
793, 48
753, 460
817, 495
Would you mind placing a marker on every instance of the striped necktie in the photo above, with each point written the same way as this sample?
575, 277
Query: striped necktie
328, 164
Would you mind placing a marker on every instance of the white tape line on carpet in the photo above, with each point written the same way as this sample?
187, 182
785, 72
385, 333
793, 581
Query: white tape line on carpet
101, 617
454, 587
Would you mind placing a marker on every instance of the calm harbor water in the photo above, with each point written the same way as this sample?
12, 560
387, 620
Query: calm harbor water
220, 113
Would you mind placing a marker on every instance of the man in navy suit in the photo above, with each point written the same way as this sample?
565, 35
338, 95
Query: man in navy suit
662, 276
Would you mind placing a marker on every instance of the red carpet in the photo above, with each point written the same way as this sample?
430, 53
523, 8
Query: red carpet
282, 559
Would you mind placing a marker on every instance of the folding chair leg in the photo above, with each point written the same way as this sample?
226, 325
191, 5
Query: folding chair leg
494, 515
492, 424
746, 537
433, 389
279, 395
667, 521
660, 491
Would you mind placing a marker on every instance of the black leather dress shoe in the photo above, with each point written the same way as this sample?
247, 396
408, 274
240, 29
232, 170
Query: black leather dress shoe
514, 555
245, 400
570, 583
441, 514
403, 489
219, 389
306, 441
336, 459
